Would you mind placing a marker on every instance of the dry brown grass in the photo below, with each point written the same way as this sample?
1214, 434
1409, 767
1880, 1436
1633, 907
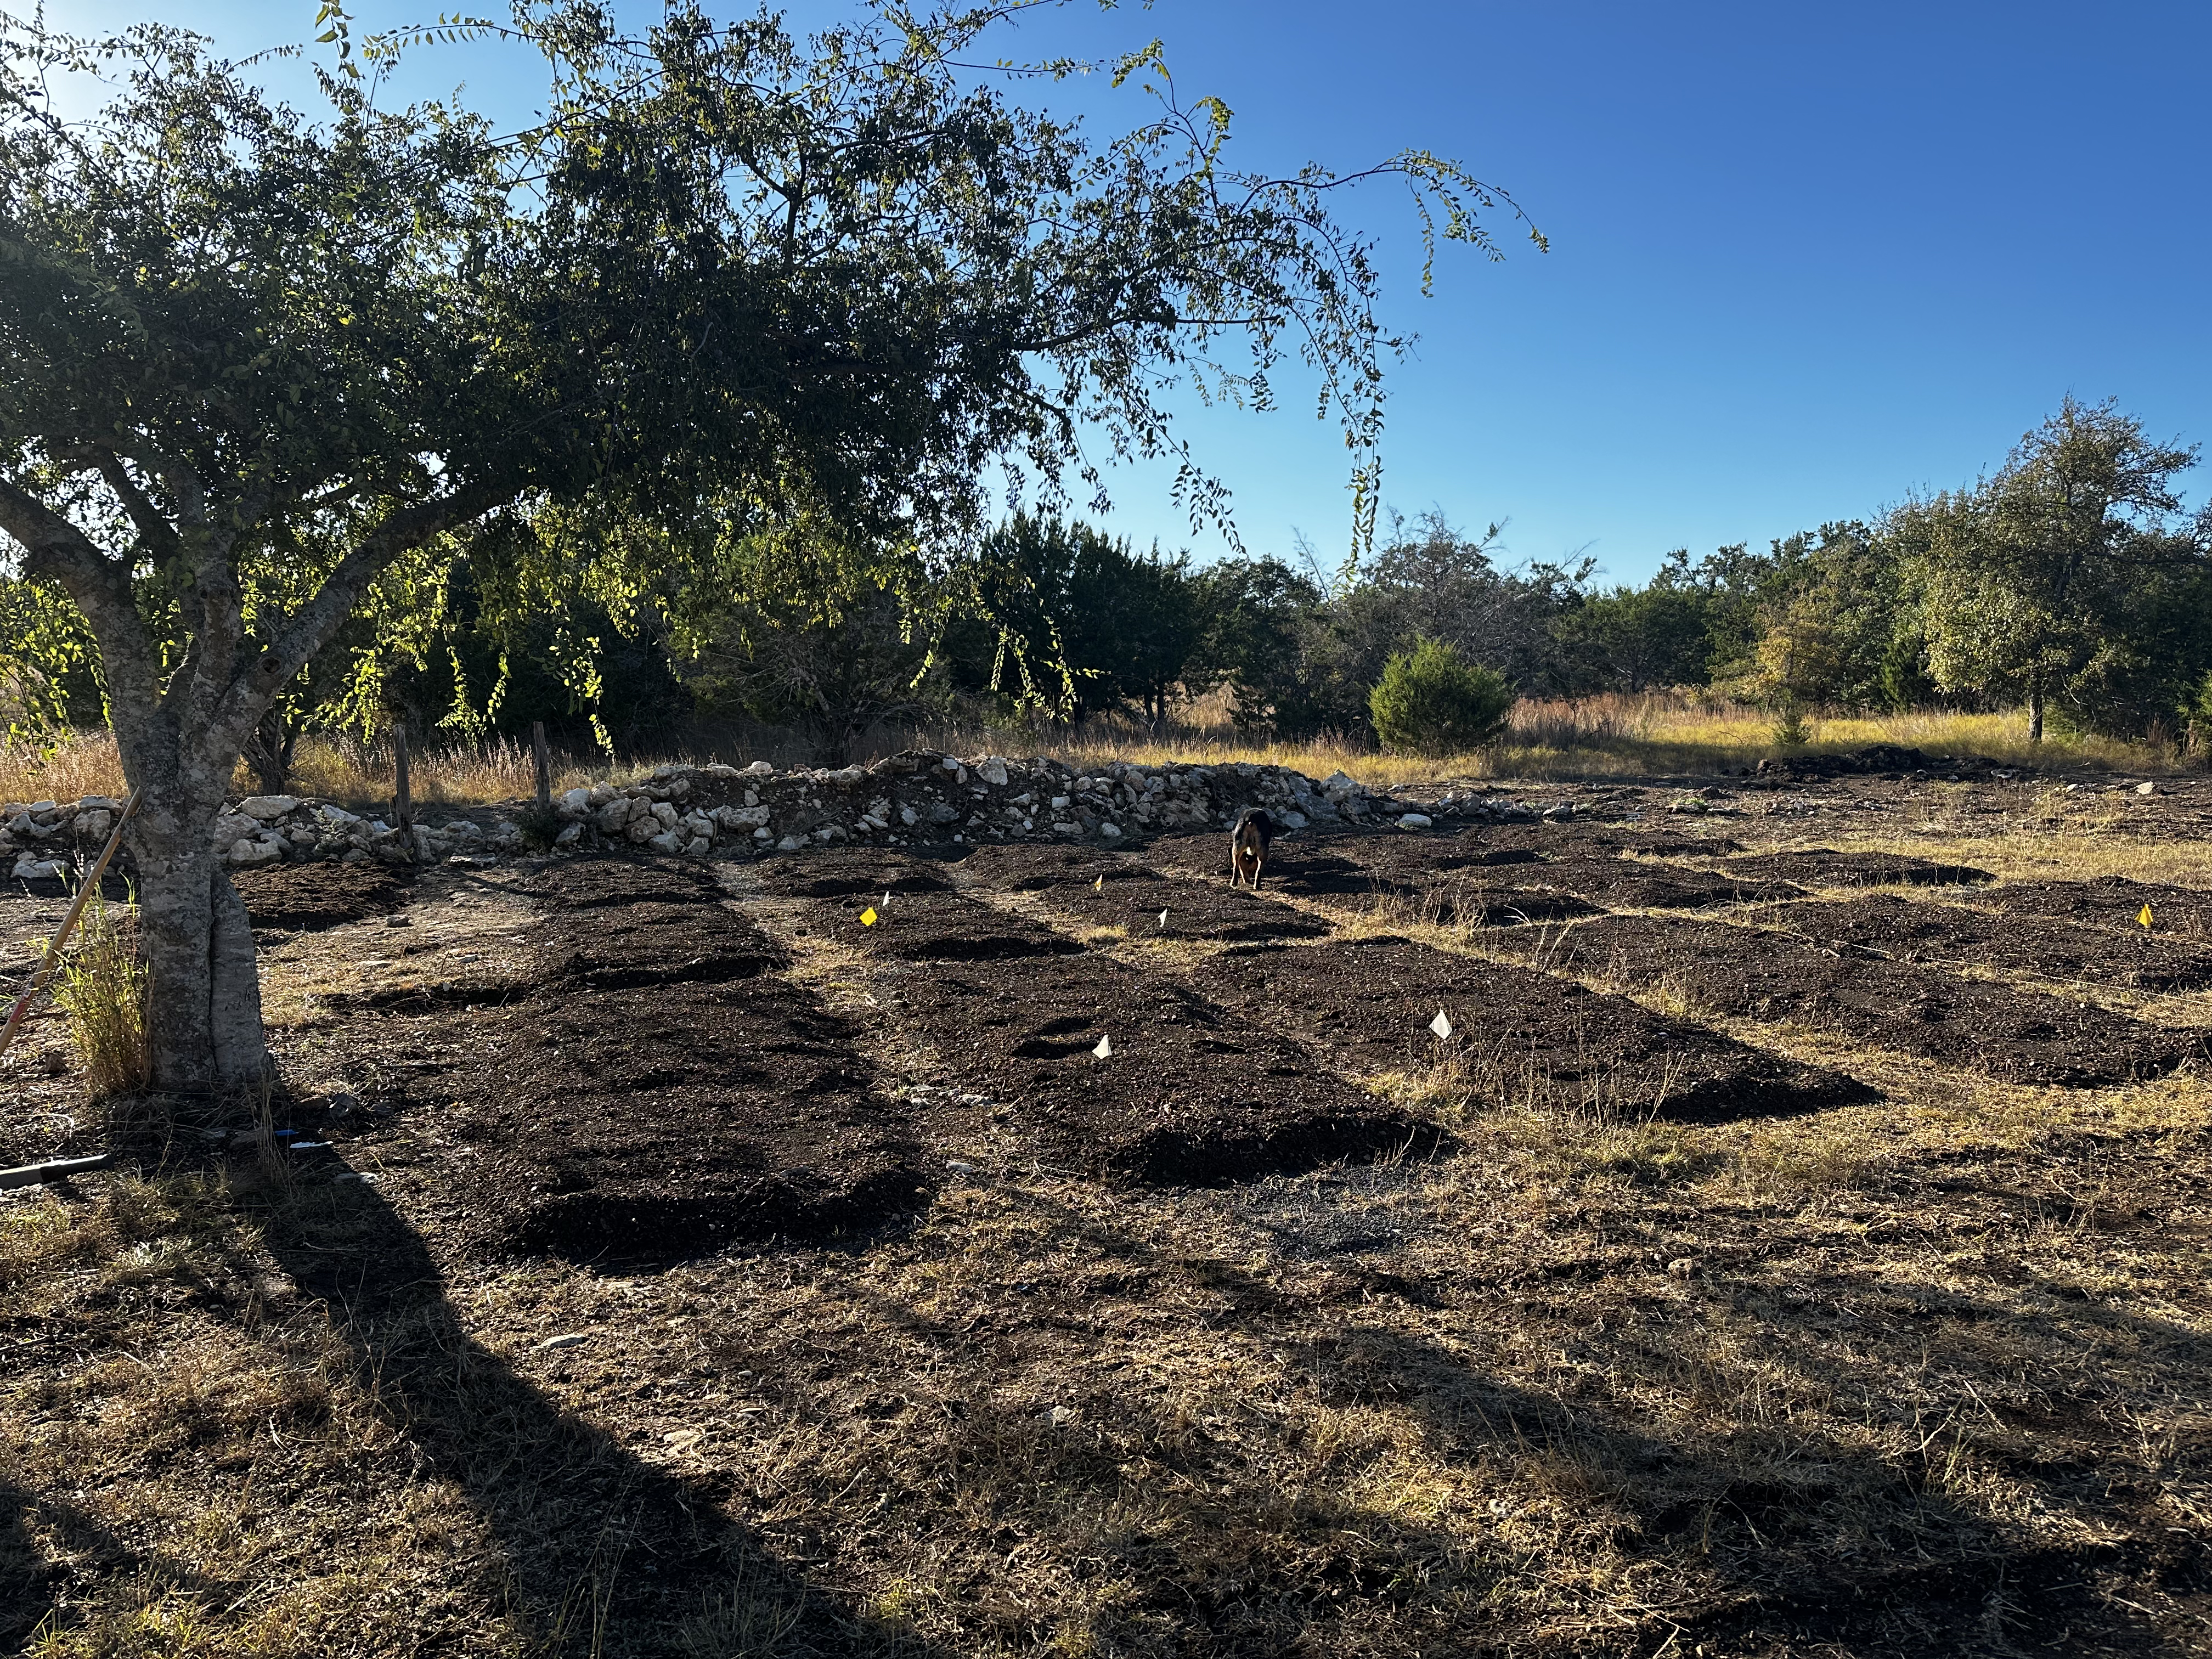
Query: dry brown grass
1615, 736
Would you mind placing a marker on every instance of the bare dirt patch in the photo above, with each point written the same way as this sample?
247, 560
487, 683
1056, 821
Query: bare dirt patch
2020, 1037
1523, 1037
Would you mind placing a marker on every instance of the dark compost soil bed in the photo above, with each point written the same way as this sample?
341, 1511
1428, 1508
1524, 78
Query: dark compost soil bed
1018, 868
838, 872
1524, 1036
1160, 907
611, 923
1906, 930
934, 927
1104, 890
1618, 884
304, 898
658, 1119
2112, 901
1821, 867
1191, 1094
2019, 1036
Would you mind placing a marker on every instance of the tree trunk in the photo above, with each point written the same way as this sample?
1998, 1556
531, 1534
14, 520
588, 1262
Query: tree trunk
2035, 712
270, 751
204, 994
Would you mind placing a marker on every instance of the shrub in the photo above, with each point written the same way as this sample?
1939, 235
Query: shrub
1429, 700
102, 989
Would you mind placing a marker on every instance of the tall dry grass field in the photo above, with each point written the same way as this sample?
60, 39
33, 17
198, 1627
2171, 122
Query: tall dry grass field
1612, 736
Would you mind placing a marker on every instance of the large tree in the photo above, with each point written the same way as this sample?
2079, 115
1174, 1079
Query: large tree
2031, 583
733, 263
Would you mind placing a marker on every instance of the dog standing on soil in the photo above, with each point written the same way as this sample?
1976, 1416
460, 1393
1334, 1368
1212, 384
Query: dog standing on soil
1249, 843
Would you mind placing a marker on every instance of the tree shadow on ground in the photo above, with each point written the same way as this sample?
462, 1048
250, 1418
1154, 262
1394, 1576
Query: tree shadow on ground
1747, 1538
602, 1551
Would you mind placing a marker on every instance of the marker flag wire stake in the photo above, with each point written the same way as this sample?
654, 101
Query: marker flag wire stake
1105, 1048
868, 917
51, 959
2145, 917
1441, 1025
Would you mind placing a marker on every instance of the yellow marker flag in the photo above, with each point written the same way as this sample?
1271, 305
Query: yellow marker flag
1099, 885
2144, 917
868, 917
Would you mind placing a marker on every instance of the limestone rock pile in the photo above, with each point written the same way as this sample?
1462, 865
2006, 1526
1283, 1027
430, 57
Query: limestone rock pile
916, 798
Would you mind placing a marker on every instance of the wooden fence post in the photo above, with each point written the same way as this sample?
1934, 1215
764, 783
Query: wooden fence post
403, 805
544, 759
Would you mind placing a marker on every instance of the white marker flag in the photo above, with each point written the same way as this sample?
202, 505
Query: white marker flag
1440, 1025
1105, 1048
1164, 918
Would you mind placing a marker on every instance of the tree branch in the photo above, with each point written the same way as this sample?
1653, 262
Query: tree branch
55, 548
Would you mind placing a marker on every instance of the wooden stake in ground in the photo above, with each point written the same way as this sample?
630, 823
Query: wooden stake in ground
51, 962
402, 806
544, 763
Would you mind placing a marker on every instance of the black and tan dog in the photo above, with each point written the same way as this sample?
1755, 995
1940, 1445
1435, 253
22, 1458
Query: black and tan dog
1249, 843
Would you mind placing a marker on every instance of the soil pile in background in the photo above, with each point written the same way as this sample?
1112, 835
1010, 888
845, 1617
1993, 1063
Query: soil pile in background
1189, 1093
1520, 1038
1908, 931
1821, 866
2019, 1036
306, 897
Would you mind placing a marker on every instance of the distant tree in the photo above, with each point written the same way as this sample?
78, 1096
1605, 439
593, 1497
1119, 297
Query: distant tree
1431, 701
2034, 582
1633, 639
730, 266
1263, 617
1135, 622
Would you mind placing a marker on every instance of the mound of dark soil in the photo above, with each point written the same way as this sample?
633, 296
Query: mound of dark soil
610, 923
1015, 867
303, 897
934, 927
2020, 1037
1618, 884
1302, 868
1191, 1095
1510, 898
1523, 1036
1161, 908
587, 883
663, 1122
1576, 838
834, 872
1822, 866
2112, 901
1906, 931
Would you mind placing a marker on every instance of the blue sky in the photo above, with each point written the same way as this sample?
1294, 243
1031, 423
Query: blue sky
1804, 259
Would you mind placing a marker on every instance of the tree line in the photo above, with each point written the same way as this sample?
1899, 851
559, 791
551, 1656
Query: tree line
2071, 580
